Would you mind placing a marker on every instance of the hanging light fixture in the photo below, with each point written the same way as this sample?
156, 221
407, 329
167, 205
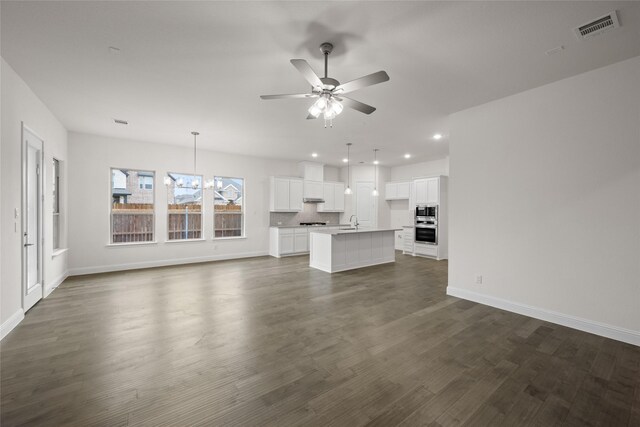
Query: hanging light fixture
195, 183
375, 193
347, 190
209, 184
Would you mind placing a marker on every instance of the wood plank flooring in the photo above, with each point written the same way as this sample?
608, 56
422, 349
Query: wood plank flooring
268, 341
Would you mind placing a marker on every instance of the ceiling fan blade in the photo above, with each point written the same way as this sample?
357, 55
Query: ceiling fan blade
293, 95
311, 116
356, 105
371, 79
308, 73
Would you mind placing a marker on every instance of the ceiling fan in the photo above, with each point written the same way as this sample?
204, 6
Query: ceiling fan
329, 91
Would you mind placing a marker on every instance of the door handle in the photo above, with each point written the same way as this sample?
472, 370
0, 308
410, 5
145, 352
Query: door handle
28, 244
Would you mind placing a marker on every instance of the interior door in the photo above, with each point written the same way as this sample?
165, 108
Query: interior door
365, 205
31, 219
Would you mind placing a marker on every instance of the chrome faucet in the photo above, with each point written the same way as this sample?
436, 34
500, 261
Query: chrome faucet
356, 223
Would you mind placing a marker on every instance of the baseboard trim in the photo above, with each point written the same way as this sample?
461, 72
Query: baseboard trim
57, 282
11, 323
597, 328
162, 263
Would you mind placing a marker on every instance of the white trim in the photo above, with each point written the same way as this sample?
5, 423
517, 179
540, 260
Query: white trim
215, 239
199, 239
55, 283
58, 252
11, 323
115, 245
162, 263
586, 325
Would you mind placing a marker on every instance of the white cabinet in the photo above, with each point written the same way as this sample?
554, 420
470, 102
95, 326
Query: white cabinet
286, 194
333, 195
301, 240
285, 241
397, 190
427, 191
313, 189
338, 197
286, 244
312, 171
408, 238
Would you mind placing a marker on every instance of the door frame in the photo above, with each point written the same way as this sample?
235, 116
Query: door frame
375, 202
40, 214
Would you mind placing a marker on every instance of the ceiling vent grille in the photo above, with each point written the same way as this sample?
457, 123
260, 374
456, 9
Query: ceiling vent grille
597, 26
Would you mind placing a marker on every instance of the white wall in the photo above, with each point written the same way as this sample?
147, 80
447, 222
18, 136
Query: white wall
545, 202
20, 104
400, 213
91, 158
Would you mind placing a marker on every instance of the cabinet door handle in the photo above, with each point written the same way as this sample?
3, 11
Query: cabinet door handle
28, 244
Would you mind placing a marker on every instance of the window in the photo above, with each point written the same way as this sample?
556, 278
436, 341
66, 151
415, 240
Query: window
228, 202
132, 208
145, 182
56, 204
184, 207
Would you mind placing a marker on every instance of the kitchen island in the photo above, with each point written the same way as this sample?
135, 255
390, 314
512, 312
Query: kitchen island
348, 249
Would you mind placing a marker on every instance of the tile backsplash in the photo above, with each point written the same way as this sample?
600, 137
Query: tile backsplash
309, 214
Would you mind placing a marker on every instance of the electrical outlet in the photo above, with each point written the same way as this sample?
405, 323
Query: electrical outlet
478, 280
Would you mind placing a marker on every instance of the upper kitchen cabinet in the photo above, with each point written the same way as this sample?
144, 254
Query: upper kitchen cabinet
313, 174
427, 191
397, 190
333, 195
286, 194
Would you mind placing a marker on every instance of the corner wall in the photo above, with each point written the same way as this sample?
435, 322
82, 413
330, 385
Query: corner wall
20, 104
545, 202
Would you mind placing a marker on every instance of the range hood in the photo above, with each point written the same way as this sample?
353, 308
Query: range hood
312, 200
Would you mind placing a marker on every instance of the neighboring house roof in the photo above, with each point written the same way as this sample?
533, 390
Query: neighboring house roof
145, 173
121, 192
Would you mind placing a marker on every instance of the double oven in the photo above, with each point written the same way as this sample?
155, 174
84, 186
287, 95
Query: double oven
426, 224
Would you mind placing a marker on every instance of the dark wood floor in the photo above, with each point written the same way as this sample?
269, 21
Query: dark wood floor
268, 341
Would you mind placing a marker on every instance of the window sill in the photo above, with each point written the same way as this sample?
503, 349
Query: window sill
115, 245
184, 240
215, 239
58, 252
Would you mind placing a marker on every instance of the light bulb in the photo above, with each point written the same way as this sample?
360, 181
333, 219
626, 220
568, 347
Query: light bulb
167, 181
179, 182
347, 191
195, 184
318, 106
209, 184
375, 193
375, 162
329, 114
437, 136
336, 107
219, 184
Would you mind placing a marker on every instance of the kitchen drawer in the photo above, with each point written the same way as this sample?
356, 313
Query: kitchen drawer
286, 230
301, 231
428, 250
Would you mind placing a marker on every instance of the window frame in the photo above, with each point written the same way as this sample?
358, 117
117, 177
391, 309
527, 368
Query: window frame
55, 206
243, 232
202, 208
110, 201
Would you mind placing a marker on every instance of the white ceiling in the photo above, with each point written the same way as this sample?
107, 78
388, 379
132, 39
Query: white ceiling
202, 65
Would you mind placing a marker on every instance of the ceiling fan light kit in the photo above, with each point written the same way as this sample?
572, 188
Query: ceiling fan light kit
330, 93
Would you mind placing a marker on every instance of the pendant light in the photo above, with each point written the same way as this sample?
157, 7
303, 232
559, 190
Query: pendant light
195, 183
347, 190
375, 193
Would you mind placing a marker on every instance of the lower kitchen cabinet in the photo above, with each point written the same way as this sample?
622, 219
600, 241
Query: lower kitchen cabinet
284, 241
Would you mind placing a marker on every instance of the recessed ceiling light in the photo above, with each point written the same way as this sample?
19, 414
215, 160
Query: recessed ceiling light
407, 156
121, 122
314, 154
437, 136
375, 162
345, 160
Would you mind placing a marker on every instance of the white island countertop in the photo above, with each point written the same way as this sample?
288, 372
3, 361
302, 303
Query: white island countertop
352, 231
339, 250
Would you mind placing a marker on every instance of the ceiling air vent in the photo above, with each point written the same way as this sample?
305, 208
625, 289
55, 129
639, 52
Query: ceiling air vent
121, 122
597, 26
